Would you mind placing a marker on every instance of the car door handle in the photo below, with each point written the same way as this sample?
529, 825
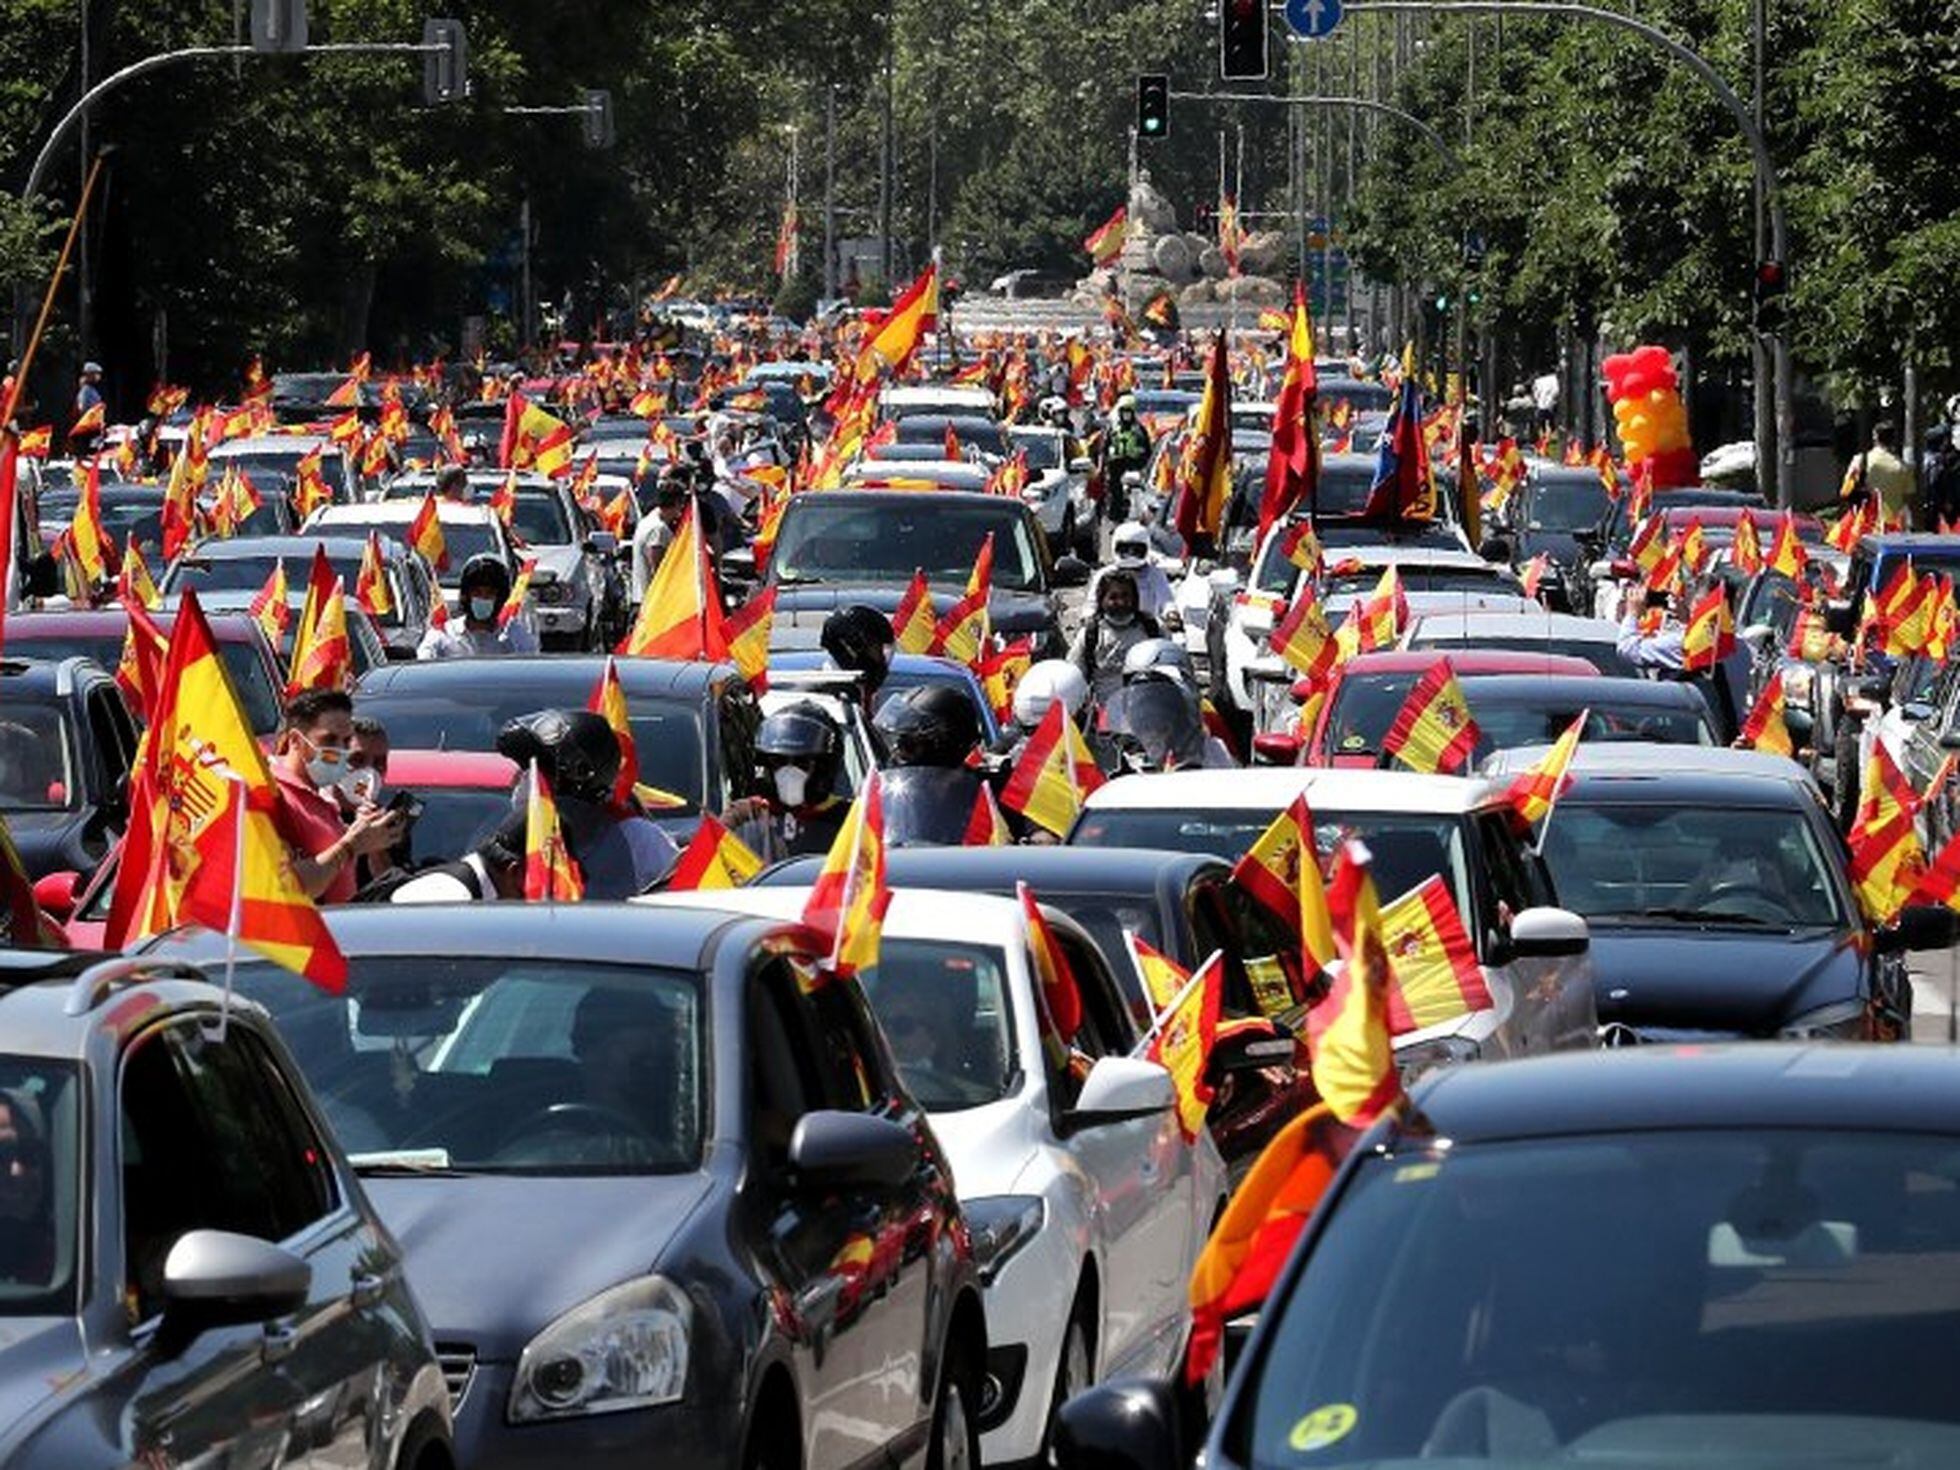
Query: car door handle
278, 1342
367, 1287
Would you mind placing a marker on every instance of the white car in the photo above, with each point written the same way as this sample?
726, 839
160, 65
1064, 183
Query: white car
1530, 629
1532, 953
1055, 488
467, 530
946, 398
1087, 1204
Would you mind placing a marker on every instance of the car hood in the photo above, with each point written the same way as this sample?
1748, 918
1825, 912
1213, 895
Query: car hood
1690, 978
565, 563
493, 1259
988, 1147
36, 1355
800, 610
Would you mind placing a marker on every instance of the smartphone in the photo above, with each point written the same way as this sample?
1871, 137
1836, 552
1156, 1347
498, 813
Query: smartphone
407, 803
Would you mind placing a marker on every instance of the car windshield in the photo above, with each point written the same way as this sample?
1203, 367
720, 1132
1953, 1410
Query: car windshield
38, 760
461, 539
1540, 717
971, 433
506, 1065
540, 521
1341, 589
1707, 1298
467, 716
1773, 601
454, 820
1575, 504
269, 466
249, 574
944, 1008
1044, 451
40, 1185
1639, 863
858, 538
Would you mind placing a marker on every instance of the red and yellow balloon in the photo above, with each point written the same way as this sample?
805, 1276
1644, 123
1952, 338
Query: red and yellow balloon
1645, 393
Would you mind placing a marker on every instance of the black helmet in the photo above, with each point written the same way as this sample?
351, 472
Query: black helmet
929, 725
802, 735
486, 569
576, 750
860, 639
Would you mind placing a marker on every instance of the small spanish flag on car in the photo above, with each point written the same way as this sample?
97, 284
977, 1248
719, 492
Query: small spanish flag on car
1710, 635
715, 858
1433, 731
1765, 728
1054, 774
847, 903
1434, 974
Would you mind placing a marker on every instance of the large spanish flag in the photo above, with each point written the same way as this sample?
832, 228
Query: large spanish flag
1105, 242
1347, 1030
681, 614
893, 343
1054, 774
202, 845
1434, 974
847, 903
1433, 731
1293, 462
1204, 475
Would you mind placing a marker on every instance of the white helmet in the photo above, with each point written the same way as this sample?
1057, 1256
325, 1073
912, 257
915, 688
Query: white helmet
1042, 685
1053, 408
1129, 543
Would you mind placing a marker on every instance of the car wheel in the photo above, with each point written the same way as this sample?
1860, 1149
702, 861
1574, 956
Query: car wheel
1074, 1369
955, 1434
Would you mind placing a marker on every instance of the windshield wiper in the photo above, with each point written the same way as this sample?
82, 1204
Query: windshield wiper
1703, 916
404, 1161
788, 578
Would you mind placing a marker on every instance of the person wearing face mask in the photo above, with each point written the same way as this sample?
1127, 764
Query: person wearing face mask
1129, 545
485, 588
308, 766
367, 773
799, 754
1115, 627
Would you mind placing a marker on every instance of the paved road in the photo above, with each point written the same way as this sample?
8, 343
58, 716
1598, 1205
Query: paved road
1932, 996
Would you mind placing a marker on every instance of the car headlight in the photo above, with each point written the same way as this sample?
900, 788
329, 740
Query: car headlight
552, 594
1000, 1225
1425, 1056
1844, 1020
626, 1348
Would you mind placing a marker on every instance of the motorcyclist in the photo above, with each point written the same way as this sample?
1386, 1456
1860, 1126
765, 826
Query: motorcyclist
485, 588
930, 782
1115, 627
1158, 716
1123, 448
860, 640
619, 853
799, 760
1129, 548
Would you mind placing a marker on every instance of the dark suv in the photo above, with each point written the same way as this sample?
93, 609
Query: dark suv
189, 1272
66, 744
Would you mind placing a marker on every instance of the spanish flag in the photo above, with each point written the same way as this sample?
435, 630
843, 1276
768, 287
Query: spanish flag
551, 874
503, 500
1434, 974
1710, 635
768, 523
1765, 728
1347, 1030
608, 698
1887, 860
268, 606
1649, 547
1746, 549
1694, 546
1535, 791
747, 631
1162, 976
1204, 476
999, 671
1281, 872
139, 671
1055, 988
715, 858
93, 420
1105, 242
1293, 462
202, 844
371, 588
847, 903
913, 623
134, 581
681, 615
1433, 731
963, 632
90, 538
986, 827
179, 517
1054, 774
238, 500
1300, 546
891, 344
425, 534
1786, 553
321, 656
1302, 638
310, 488
348, 394
534, 439
513, 607
1183, 1038
37, 443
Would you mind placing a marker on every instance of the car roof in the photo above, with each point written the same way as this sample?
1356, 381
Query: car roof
36, 986
947, 393
1630, 759
1468, 661
915, 913
1005, 504
299, 544
1044, 869
299, 444
451, 768
1587, 688
1839, 1086
1526, 622
1891, 541
391, 512
574, 672
45, 675
226, 627
1376, 557
1271, 788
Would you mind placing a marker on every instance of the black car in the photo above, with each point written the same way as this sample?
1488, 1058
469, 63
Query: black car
1706, 1256
693, 724
1608, 542
662, 1194
1720, 901
66, 746
230, 572
1183, 905
190, 1272
1550, 511
838, 547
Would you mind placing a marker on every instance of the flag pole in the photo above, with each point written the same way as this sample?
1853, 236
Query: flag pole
1190, 984
1551, 804
47, 299
234, 921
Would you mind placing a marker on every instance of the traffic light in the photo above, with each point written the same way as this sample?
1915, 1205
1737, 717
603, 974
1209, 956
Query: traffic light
278, 25
446, 69
597, 119
1771, 283
1242, 40
1153, 106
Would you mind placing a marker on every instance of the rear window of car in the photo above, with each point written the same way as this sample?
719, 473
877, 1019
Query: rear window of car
39, 764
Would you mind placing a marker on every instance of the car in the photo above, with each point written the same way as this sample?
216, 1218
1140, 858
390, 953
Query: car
467, 531
693, 723
203, 1280
1545, 517
1606, 567
662, 1196
266, 456
1089, 1203
1368, 689
230, 571
1056, 488
462, 797
99, 634
1180, 904
837, 547
1584, 1260
885, 468
66, 746
1417, 827
133, 510
1720, 900
934, 398
1529, 630
976, 433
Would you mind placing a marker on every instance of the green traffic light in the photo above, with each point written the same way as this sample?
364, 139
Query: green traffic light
1151, 126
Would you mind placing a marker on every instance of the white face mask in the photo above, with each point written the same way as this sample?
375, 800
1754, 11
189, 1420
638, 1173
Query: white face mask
792, 785
483, 609
362, 785
325, 768
1120, 619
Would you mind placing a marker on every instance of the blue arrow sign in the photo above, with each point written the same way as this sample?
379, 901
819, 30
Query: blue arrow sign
1312, 18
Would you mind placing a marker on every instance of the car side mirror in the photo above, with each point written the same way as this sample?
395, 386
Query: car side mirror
1758, 636
1920, 926
1128, 1422
1498, 550
1277, 748
215, 1278
1119, 1089
838, 1150
1839, 617
56, 894
1081, 465
739, 564
1071, 571
1548, 933
601, 543
1916, 710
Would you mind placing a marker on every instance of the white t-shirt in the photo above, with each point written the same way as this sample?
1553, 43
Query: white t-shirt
459, 640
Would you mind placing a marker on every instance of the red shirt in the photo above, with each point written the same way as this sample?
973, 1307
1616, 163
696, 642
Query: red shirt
310, 824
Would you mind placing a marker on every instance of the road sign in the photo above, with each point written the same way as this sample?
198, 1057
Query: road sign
1313, 17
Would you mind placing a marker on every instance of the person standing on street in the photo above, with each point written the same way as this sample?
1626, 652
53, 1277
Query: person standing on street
1881, 472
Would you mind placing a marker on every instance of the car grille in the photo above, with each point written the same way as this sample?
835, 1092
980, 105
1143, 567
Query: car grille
458, 1365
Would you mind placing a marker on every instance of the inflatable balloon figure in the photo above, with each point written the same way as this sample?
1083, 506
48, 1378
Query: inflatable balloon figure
1652, 422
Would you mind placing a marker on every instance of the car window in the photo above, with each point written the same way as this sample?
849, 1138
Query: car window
38, 758
539, 519
207, 1145
1107, 1024
857, 540
1262, 960
945, 1012
112, 752
41, 1173
1507, 878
